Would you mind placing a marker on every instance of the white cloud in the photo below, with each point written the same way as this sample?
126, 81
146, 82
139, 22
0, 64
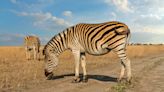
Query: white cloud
46, 20
13, 1
35, 6
67, 13
154, 16
11, 39
122, 5
114, 15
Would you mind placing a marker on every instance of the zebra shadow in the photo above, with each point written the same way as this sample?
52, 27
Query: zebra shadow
103, 78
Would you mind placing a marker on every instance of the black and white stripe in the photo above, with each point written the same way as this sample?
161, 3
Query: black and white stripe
32, 43
95, 39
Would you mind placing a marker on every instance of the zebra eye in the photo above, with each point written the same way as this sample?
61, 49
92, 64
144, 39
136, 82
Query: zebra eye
49, 60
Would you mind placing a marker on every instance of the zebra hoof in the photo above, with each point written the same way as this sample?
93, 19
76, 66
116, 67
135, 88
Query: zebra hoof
85, 79
119, 80
129, 80
76, 80
122, 80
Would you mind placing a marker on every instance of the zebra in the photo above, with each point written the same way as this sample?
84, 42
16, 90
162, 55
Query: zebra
32, 43
95, 39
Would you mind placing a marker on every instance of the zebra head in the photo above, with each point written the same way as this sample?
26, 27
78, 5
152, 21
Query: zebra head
51, 61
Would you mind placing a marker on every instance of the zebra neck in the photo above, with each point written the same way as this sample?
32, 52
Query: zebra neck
58, 44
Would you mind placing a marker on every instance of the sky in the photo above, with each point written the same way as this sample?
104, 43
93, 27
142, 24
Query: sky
45, 18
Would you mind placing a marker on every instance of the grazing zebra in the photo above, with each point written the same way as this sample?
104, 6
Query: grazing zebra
32, 43
94, 39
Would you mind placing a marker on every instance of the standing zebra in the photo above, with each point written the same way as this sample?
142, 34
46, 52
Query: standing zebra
94, 39
32, 43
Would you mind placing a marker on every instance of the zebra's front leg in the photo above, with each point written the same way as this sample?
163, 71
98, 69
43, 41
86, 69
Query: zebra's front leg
29, 55
83, 65
76, 54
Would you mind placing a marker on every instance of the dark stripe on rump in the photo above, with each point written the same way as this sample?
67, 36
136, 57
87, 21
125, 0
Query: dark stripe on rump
90, 41
108, 40
116, 41
106, 33
101, 30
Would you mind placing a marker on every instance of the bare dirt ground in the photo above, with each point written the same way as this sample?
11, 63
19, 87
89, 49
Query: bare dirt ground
19, 75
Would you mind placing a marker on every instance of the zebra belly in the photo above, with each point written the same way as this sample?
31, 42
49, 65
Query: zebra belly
99, 52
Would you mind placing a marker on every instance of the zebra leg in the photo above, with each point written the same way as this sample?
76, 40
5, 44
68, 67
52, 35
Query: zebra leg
76, 54
128, 69
83, 65
38, 54
122, 71
125, 65
35, 53
29, 55
119, 49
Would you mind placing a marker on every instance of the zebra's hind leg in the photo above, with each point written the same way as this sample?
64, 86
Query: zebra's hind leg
125, 62
76, 54
122, 71
83, 65
125, 65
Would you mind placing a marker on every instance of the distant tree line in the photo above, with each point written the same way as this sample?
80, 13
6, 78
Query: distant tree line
159, 44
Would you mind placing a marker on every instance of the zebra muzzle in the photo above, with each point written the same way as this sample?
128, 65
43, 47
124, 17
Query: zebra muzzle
49, 75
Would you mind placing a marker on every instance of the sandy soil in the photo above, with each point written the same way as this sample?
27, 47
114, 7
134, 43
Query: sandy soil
148, 75
147, 68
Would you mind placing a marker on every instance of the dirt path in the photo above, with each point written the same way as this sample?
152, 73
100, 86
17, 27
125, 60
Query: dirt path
148, 75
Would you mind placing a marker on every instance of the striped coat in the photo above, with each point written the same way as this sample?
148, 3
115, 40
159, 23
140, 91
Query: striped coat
32, 44
94, 39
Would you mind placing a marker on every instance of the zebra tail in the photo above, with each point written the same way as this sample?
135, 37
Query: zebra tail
128, 38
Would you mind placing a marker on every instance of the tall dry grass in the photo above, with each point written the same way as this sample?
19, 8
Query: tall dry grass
15, 71
18, 73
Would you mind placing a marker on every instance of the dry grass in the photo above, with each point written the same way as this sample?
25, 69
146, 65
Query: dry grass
16, 72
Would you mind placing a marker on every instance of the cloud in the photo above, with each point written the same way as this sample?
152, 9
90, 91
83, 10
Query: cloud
46, 20
154, 16
122, 5
67, 13
11, 39
37, 5
113, 16
13, 1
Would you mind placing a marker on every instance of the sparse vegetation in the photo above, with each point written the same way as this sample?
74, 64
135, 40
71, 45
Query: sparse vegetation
19, 74
120, 87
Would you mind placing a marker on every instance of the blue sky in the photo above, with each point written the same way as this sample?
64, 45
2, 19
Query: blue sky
45, 18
